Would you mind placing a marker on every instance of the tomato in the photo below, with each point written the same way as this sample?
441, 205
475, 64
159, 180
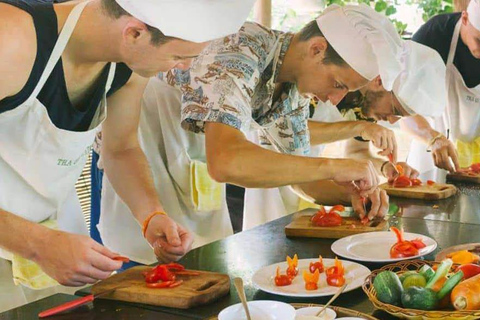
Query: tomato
316, 266
430, 182
336, 280
311, 286
282, 280
418, 243
416, 182
292, 272
330, 219
402, 182
160, 272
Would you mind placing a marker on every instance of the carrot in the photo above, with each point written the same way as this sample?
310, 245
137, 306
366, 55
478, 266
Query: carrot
466, 295
439, 284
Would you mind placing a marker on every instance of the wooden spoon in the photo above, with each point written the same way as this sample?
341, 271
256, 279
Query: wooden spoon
238, 283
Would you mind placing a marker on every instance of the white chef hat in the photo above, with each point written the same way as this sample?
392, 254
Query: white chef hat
191, 20
473, 11
420, 87
365, 39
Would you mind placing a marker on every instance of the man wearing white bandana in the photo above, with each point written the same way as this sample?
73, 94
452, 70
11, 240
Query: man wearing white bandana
453, 138
62, 65
259, 80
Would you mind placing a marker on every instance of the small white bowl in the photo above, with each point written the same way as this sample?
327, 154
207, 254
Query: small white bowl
309, 313
259, 310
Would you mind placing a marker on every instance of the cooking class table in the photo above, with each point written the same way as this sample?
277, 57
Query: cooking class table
455, 221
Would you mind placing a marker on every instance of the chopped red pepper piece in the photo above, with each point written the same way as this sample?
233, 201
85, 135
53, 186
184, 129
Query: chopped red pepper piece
430, 182
176, 284
175, 266
402, 182
337, 208
160, 272
418, 243
187, 273
416, 182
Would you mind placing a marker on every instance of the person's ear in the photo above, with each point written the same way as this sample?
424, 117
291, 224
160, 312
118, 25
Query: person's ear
464, 18
317, 47
377, 83
135, 31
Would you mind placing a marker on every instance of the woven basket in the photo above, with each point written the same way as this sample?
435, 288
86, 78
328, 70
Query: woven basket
412, 314
341, 312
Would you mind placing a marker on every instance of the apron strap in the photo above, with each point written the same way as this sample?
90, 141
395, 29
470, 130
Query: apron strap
447, 120
453, 44
111, 76
59, 46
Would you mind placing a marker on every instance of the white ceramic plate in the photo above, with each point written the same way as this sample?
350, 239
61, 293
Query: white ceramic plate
264, 279
375, 246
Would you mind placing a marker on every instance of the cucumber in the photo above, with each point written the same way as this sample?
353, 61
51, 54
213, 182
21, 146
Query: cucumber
427, 272
419, 298
389, 288
442, 271
450, 284
406, 274
414, 280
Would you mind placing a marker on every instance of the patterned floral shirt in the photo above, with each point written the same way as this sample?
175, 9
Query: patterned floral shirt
233, 83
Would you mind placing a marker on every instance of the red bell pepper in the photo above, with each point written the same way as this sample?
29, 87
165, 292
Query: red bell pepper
403, 248
430, 182
175, 266
469, 270
160, 285
158, 273
330, 219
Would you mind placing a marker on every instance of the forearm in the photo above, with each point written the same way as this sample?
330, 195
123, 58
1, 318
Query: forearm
20, 236
326, 132
361, 150
129, 173
419, 127
252, 166
324, 192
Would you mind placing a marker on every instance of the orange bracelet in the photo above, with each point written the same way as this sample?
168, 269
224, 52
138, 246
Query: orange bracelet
147, 221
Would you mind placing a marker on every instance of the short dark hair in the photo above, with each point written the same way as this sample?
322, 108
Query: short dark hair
312, 30
115, 11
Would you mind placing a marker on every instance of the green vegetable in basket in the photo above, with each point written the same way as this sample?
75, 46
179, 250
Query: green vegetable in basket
427, 272
414, 280
419, 298
450, 284
442, 271
404, 275
389, 288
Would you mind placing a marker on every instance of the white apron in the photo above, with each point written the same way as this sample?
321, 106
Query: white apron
264, 205
40, 164
169, 150
461, 117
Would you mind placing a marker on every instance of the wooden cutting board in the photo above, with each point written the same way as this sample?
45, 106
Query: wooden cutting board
301, 226
463, 177
433, 192
194, 291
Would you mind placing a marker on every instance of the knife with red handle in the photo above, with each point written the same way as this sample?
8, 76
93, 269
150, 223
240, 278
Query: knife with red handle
73, 304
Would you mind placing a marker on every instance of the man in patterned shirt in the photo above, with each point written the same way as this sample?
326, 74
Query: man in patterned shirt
262, 80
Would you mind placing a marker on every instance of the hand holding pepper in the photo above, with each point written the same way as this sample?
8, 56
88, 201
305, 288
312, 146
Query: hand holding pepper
379, 201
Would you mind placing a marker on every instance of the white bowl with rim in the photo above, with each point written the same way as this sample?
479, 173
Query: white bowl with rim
259, 310
309, 313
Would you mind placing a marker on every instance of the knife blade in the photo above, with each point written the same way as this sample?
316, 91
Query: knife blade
75, 303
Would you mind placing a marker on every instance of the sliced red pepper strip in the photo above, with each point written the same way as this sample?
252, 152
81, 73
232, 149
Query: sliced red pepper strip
160, 285
187, 273
469, 270
175, 266
430, 182
176, 284
337, 208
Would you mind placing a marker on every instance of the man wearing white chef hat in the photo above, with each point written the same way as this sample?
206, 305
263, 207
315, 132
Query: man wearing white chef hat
259, 80
453, 138
418, 90
57, 83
